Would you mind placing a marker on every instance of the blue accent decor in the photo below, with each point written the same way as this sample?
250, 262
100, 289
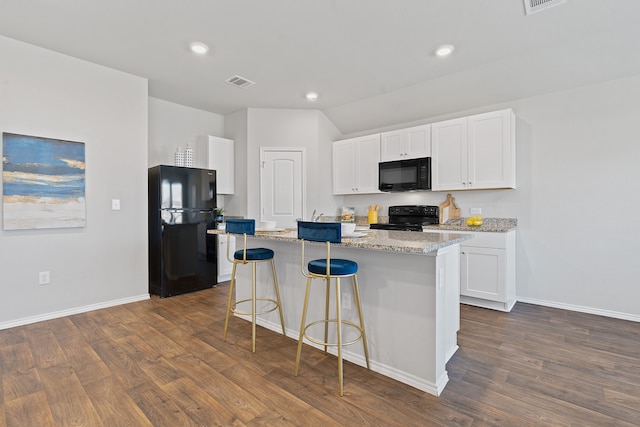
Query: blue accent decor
320, 231
241, 226
338, 267
255, 254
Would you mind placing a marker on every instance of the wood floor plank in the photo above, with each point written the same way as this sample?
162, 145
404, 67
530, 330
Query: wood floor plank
20, 383
201, 407
241, 401
86, 363
30, 410
115, 407
18, 374
159, 407
122, 365
45, 348
3, 418
12, 336
192, 345
66, 397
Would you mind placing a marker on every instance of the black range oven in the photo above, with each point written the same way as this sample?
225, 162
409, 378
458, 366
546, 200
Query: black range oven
409, 218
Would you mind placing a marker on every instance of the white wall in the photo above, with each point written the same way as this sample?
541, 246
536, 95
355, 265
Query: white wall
47, 94
288, 128
173, 125
577, 196
236, 128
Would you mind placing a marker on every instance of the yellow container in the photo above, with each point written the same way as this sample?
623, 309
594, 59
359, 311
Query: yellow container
373, 217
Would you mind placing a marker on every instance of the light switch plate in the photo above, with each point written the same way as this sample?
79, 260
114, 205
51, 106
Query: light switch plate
476, 211
115, 204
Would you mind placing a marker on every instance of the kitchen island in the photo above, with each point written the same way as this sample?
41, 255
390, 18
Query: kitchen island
409, 286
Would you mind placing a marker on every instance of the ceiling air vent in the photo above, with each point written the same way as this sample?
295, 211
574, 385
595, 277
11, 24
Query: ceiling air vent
532, 6
239, 81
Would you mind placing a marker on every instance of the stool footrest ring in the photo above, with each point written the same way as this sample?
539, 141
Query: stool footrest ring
344, 322
248, 313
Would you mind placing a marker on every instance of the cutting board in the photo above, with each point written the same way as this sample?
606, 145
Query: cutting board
449, 209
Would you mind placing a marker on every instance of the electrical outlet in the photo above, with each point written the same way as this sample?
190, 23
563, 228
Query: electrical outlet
476, 211
43, 278
346, 300
115, 204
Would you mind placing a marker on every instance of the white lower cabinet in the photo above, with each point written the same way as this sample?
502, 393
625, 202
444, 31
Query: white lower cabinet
224, 266
488, 270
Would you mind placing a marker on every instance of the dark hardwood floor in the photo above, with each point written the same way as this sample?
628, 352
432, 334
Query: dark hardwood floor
162, 362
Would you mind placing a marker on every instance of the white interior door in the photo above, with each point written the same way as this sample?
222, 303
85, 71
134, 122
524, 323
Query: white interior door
282, 185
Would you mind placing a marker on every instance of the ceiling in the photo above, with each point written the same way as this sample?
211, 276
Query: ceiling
371, 61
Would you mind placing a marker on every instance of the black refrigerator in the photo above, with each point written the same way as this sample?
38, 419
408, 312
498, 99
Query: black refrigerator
182, 256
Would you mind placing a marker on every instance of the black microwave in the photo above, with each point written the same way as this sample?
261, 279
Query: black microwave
405, 175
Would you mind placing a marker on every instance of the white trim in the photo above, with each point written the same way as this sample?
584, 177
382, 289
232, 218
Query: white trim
71, 311
581, 309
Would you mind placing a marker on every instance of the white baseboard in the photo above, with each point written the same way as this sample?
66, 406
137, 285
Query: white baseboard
71, 311
581, 309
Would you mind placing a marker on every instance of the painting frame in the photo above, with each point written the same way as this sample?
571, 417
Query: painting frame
43, 182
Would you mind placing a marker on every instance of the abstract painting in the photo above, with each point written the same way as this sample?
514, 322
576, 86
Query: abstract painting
43, 182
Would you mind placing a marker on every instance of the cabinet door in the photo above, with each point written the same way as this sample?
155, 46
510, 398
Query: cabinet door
221, 158
491, 148
217, 153
366, 163
409, 143
482, 273
342, 163
224, 266
418, 141
449, 155
392, 145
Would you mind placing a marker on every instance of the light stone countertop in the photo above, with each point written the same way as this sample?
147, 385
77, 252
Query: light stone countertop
379, 240
495, 225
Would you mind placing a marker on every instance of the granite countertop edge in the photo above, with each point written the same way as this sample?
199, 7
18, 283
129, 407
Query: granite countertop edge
494, 225
379, 240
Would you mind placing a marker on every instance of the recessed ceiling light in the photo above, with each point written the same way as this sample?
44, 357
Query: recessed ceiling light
311, 96
199, 48
444, 50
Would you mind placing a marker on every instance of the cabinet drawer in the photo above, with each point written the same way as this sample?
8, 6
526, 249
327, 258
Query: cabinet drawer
486, 240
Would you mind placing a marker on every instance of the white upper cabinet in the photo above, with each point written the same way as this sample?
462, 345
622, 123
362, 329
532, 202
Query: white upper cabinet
217, 153
475, 152
355, 165
449, 155
409, 143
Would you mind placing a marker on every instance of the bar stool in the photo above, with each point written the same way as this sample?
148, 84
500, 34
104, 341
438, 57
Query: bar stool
326, 269
247, 227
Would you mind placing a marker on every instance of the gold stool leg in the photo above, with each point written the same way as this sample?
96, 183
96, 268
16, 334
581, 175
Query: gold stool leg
326, 312
226, 320
356, 291
302, 326
275, 284
339, 336
253, 306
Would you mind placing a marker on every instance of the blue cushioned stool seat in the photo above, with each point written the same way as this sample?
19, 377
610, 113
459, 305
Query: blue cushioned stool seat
254, 254
338, 267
